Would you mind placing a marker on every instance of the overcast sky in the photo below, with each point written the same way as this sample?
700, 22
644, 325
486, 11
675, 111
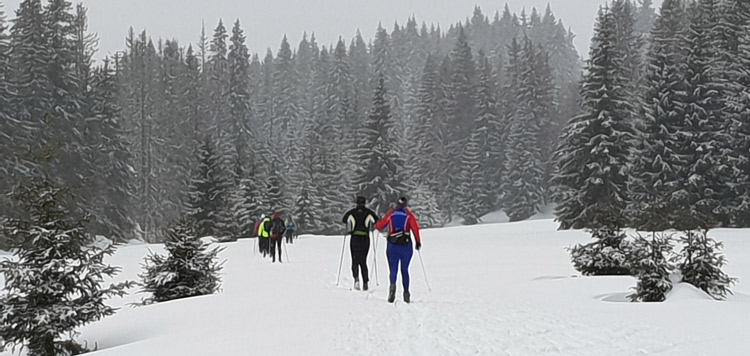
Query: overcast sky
266, 21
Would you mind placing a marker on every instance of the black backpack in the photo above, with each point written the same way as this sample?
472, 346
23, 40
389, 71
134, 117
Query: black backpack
277, 227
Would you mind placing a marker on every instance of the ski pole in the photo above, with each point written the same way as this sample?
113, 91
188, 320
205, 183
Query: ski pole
255, 247
286, 253
424, 271
375, 256
341, 262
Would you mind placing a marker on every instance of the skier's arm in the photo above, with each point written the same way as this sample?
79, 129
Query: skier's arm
348, 216
414, 227
349, 221
370, 220
382, 223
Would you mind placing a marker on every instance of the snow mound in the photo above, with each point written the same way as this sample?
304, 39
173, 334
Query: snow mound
135, 242
546, 212
685, 291
101, 242
615, 297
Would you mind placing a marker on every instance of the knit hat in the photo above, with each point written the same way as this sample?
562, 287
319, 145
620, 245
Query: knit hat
361, 201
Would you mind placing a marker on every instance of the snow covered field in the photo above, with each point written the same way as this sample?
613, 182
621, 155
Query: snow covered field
497, 289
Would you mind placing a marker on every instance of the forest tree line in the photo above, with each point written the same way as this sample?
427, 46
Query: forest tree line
465, 123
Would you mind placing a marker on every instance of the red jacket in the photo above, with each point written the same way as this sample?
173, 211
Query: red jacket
410, 224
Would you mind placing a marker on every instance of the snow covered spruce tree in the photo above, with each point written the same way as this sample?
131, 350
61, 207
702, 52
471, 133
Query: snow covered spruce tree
380, 177
656, 166
8, 128
700, 262
703, 193
188, 270
459, 103
650, 263
475, 198
734, 59
523, 190
593, 158
206, 196
423, 147
54, 283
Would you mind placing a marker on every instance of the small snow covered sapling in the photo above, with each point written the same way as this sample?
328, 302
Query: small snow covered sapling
700, 262
606, 255
650, 263
189, 269
53, 283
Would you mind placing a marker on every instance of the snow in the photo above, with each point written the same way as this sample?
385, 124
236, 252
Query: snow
497, 289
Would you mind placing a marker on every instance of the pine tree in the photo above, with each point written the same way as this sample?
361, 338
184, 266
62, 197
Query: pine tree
645, 18
734, 60
700, 262
54, 283
472, 193
29, 57
475, 198
245, 202
206, 198
236, 215
657, 163
424, 147
594, 154
218, 69
188, 270
380, 176
274, 194
111, 160
139, 102
68, 107
606, 255
629, 44
340, 110
8, 128
460, 103
523, 188
703, 137
650, 263
283, 124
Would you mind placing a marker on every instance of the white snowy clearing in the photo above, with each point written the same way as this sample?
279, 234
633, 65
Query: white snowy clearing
498, 289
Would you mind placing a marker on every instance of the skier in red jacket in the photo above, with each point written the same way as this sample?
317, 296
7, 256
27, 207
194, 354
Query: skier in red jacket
401, 224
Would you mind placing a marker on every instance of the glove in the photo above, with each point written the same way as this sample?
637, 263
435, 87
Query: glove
419, 246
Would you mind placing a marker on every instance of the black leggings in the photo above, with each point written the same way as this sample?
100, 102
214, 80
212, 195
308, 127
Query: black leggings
360, 247
289, 235
263, 245
275, 242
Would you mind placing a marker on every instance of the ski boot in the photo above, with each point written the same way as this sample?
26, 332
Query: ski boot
407, 297
392, 294
364, 286
356, 284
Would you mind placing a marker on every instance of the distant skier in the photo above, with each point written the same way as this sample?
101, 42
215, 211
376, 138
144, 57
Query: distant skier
360, 221
291, 229
277, 233
264, 233
401, 224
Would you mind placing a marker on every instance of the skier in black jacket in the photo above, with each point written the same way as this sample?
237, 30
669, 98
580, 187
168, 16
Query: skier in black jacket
360, 221
277, 233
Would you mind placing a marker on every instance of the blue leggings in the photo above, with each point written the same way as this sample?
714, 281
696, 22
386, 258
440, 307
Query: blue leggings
396, 254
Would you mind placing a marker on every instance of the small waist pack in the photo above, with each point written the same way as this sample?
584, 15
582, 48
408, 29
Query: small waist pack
400, 238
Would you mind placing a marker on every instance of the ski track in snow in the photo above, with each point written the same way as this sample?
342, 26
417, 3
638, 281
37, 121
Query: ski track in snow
433, 327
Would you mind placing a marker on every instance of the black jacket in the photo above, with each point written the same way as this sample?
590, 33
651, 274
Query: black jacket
277, 227
360, 221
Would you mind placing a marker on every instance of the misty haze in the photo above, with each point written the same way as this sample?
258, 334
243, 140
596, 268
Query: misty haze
341, 177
